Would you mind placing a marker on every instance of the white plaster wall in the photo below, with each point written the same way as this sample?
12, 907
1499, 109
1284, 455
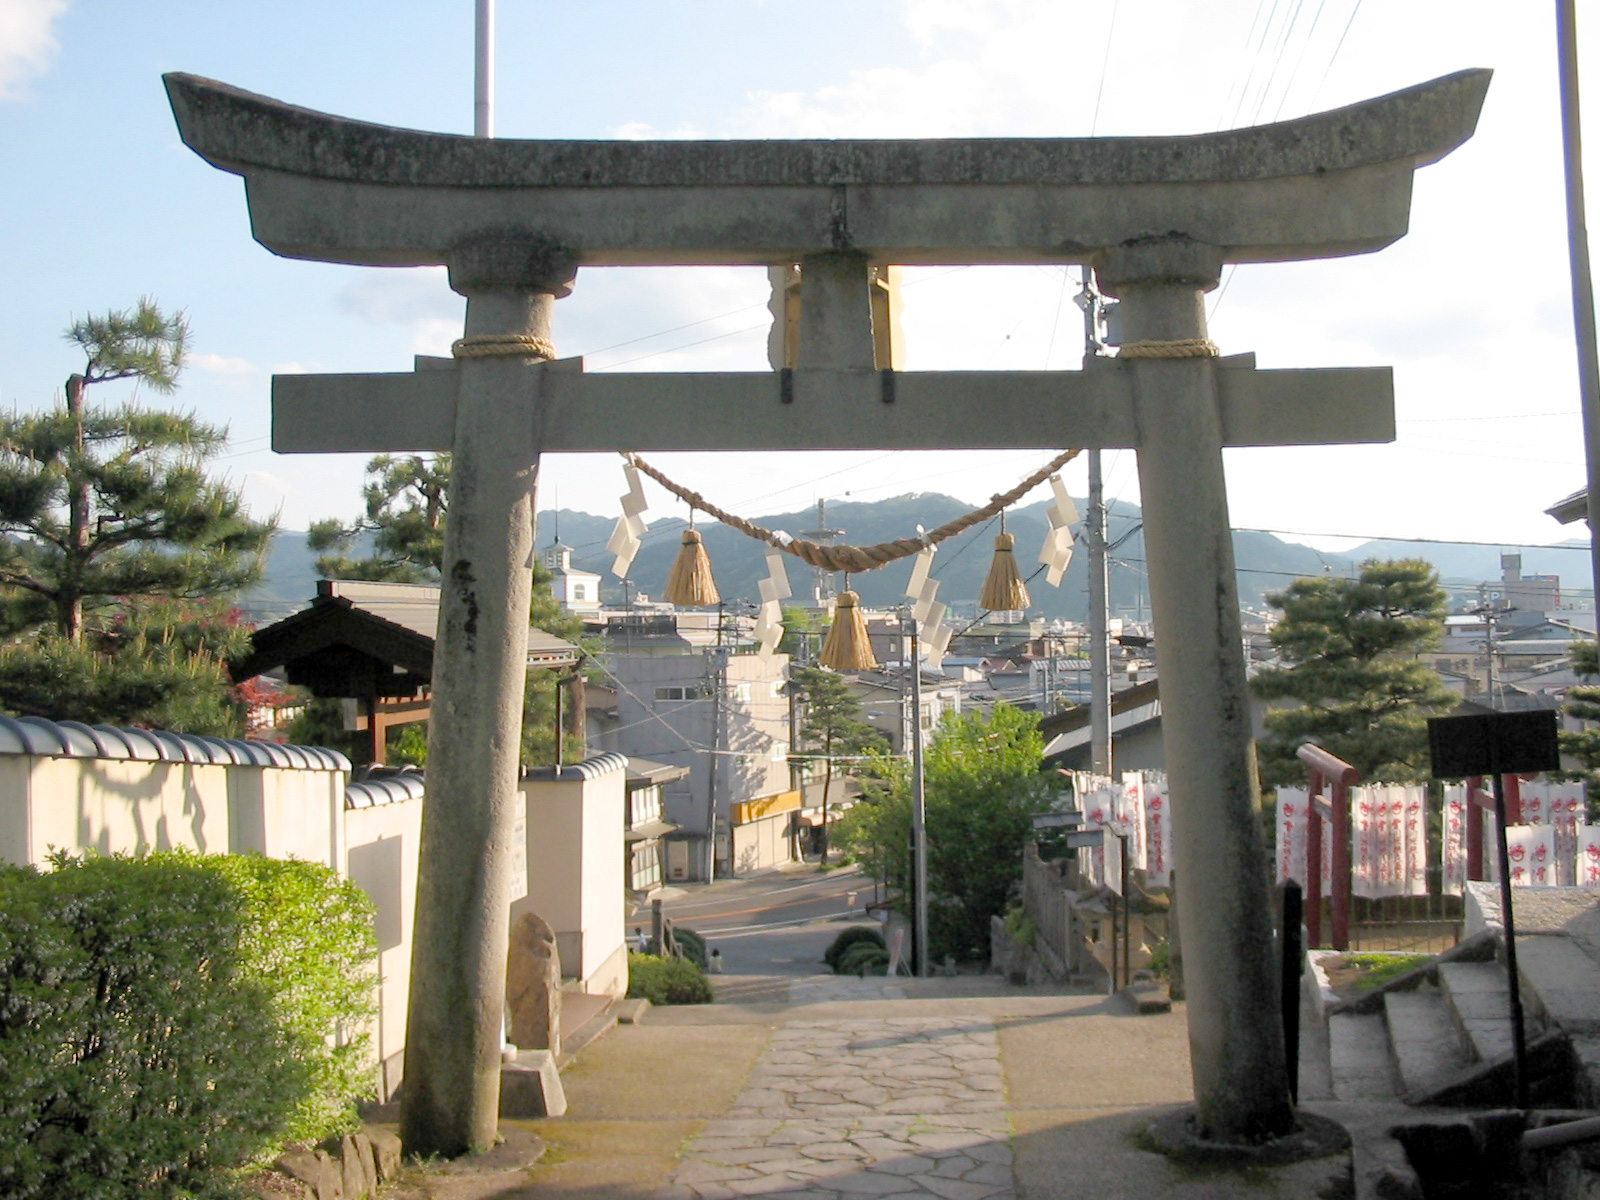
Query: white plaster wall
16, 821
381, 856
575, 873
121, 806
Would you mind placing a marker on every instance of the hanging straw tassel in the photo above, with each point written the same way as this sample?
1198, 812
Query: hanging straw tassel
1003, 590
848, 647
690, 583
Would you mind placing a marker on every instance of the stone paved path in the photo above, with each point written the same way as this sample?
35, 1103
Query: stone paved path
900, 1107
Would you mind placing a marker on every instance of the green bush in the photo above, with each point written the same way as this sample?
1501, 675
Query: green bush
163, 1019
864, 958
1019, 925
662, 979
692, 946
850, 937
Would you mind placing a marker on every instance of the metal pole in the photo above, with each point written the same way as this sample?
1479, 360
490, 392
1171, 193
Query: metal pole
1578, 255
919, 809
1094, 533
483, 72
1519, 1042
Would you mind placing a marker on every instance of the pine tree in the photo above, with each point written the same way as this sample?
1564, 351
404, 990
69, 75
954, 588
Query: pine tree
1349, 650
832, 727
407, 498
100, 504
1583, 703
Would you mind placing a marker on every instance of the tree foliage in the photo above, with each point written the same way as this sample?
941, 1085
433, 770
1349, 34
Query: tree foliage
1349, 651
982, 787
101, 504
831, 728
156, 663
407, 498
1583, 704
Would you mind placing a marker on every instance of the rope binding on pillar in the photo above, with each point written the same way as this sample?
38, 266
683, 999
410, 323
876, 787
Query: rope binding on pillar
1182, 348
502, 345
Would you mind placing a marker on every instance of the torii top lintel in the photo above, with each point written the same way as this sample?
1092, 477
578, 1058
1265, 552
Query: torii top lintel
335, 190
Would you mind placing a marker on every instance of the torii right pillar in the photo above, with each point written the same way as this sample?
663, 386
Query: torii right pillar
1236, 1046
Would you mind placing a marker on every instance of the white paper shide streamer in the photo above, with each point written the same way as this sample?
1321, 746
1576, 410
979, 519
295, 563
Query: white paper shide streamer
629, 531
923, 592
1057, 550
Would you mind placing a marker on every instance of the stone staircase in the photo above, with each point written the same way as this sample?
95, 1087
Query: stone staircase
1440, 1035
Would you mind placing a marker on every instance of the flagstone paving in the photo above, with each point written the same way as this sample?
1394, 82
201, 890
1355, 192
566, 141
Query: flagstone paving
901, 1107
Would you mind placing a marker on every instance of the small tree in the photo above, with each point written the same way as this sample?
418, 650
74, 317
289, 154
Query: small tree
1349, 650
982, 787
832, 726
98, 504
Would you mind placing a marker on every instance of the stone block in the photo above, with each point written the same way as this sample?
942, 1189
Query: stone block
531, 1087
385, 1152
354, 1181
316, 1169
369, 1161
533, 985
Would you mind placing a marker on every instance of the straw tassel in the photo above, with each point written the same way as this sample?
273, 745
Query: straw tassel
1003, 590
848, 647
690, 583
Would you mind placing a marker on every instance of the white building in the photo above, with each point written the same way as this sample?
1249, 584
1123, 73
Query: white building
725, 717
576, 590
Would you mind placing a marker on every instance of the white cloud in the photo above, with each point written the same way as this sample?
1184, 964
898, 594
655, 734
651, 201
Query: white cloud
27, 41
221, 364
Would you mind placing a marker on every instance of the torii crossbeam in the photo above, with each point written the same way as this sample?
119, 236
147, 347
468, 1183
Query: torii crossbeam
514, 221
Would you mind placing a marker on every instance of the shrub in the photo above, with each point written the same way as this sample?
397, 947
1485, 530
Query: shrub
692, 946
667, 980
850, 937
160, 1023
864, 958
1019, 925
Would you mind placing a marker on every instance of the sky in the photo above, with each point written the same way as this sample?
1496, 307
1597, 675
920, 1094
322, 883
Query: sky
101, 204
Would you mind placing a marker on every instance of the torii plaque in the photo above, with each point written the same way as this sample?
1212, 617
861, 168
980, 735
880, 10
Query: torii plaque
514, 220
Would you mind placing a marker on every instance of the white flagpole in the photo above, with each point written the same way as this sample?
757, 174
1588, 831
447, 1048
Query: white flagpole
483, 74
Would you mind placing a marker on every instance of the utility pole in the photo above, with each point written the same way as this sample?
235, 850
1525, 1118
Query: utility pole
717, 675
1583, 319
483, 73
1094, 536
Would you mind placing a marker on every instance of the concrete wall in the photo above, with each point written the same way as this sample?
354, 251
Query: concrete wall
763, 843
576, 876
381, 856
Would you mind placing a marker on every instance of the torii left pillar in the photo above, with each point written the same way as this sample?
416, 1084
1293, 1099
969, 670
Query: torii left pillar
452, 1088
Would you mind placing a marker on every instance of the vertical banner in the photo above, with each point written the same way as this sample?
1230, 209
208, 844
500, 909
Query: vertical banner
1453, 853
1416, 840
1531, 850
1535, 797
1363, 843
1294, 812
1566, 810
1130, 819
1589, 857
1158, 818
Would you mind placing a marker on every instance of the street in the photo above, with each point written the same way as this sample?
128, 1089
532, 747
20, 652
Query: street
775, 923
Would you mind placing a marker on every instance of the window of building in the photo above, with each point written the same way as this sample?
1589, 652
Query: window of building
692, 691
578, 592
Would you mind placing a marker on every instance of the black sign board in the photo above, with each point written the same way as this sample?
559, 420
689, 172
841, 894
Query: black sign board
1511, 743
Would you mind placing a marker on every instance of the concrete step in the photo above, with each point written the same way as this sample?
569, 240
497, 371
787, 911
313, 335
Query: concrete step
1359, 1057
1480, 998
1316, 1076
1425, 1039
1561, 983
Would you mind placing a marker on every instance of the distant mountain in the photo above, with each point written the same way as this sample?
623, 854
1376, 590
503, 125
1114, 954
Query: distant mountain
1266, 563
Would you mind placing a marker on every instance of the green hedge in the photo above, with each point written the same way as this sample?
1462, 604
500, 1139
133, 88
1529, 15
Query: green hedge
692, 946
166, 1018
667, 980
863, 958
855, 935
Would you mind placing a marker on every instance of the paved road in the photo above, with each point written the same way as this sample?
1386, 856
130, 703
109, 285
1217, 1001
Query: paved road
776, 923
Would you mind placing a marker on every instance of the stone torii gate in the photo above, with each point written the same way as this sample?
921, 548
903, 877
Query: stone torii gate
513, 221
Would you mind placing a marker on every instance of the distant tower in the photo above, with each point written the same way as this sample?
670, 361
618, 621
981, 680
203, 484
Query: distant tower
822, 586
576, 590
